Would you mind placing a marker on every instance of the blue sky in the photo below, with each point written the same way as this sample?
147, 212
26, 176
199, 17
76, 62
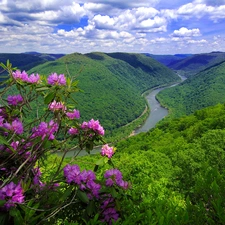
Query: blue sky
150, 26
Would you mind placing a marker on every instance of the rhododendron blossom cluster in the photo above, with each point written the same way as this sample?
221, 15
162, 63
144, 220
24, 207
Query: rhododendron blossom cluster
55, 79
115, 177
93, 125
23, 76
45, 130
14, 99
12, 194
25, 145
55, 106
107, 151
73, 115
15, 126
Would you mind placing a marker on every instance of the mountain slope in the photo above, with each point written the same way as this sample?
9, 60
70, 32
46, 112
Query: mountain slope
206, 88
177, 170
196, 63
112, 87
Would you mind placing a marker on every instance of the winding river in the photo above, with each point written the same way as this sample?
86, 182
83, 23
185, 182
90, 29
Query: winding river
157, 113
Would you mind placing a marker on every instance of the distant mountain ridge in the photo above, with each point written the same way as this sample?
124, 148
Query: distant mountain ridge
28, 60
193, 64
47, 56
167, 59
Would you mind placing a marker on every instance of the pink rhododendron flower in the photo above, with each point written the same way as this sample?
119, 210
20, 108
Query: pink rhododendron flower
45, 130
73, 115
36, 179
15, 144
107, 151
114, 176
16, 126
14, 99
85, 179
20, 76
13, 194
23, 76
55, 79
84, 125
109, 212
34, 79
73, 131
93, 125
56, 106
72, 174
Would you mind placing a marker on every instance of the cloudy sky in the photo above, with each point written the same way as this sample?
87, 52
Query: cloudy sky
150, 26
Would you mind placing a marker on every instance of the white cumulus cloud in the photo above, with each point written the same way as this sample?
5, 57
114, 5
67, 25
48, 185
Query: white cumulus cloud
184, 32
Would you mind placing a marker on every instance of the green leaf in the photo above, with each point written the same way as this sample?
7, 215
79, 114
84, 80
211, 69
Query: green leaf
66, 194
2, 202
3, 66
114, 192
91, 208
3, 219
100, 162
74, 84
7, 63
47, 144
49, 97
3, 141
82, 196
18, 219
42, 89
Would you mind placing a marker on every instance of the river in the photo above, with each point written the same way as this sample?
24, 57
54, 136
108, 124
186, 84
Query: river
157, 113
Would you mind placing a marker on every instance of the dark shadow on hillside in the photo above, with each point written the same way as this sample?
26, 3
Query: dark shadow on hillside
130, 59
94, 56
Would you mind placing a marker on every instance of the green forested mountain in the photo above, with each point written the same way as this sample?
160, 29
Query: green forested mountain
204, 89
177, 170
112, 83
193, 64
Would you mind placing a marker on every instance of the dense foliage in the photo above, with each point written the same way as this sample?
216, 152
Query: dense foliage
177, 170
204, 89
112, 85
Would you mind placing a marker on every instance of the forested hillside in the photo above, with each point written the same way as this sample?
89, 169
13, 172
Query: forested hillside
112, 84
176, 171
193, 64
206, 88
